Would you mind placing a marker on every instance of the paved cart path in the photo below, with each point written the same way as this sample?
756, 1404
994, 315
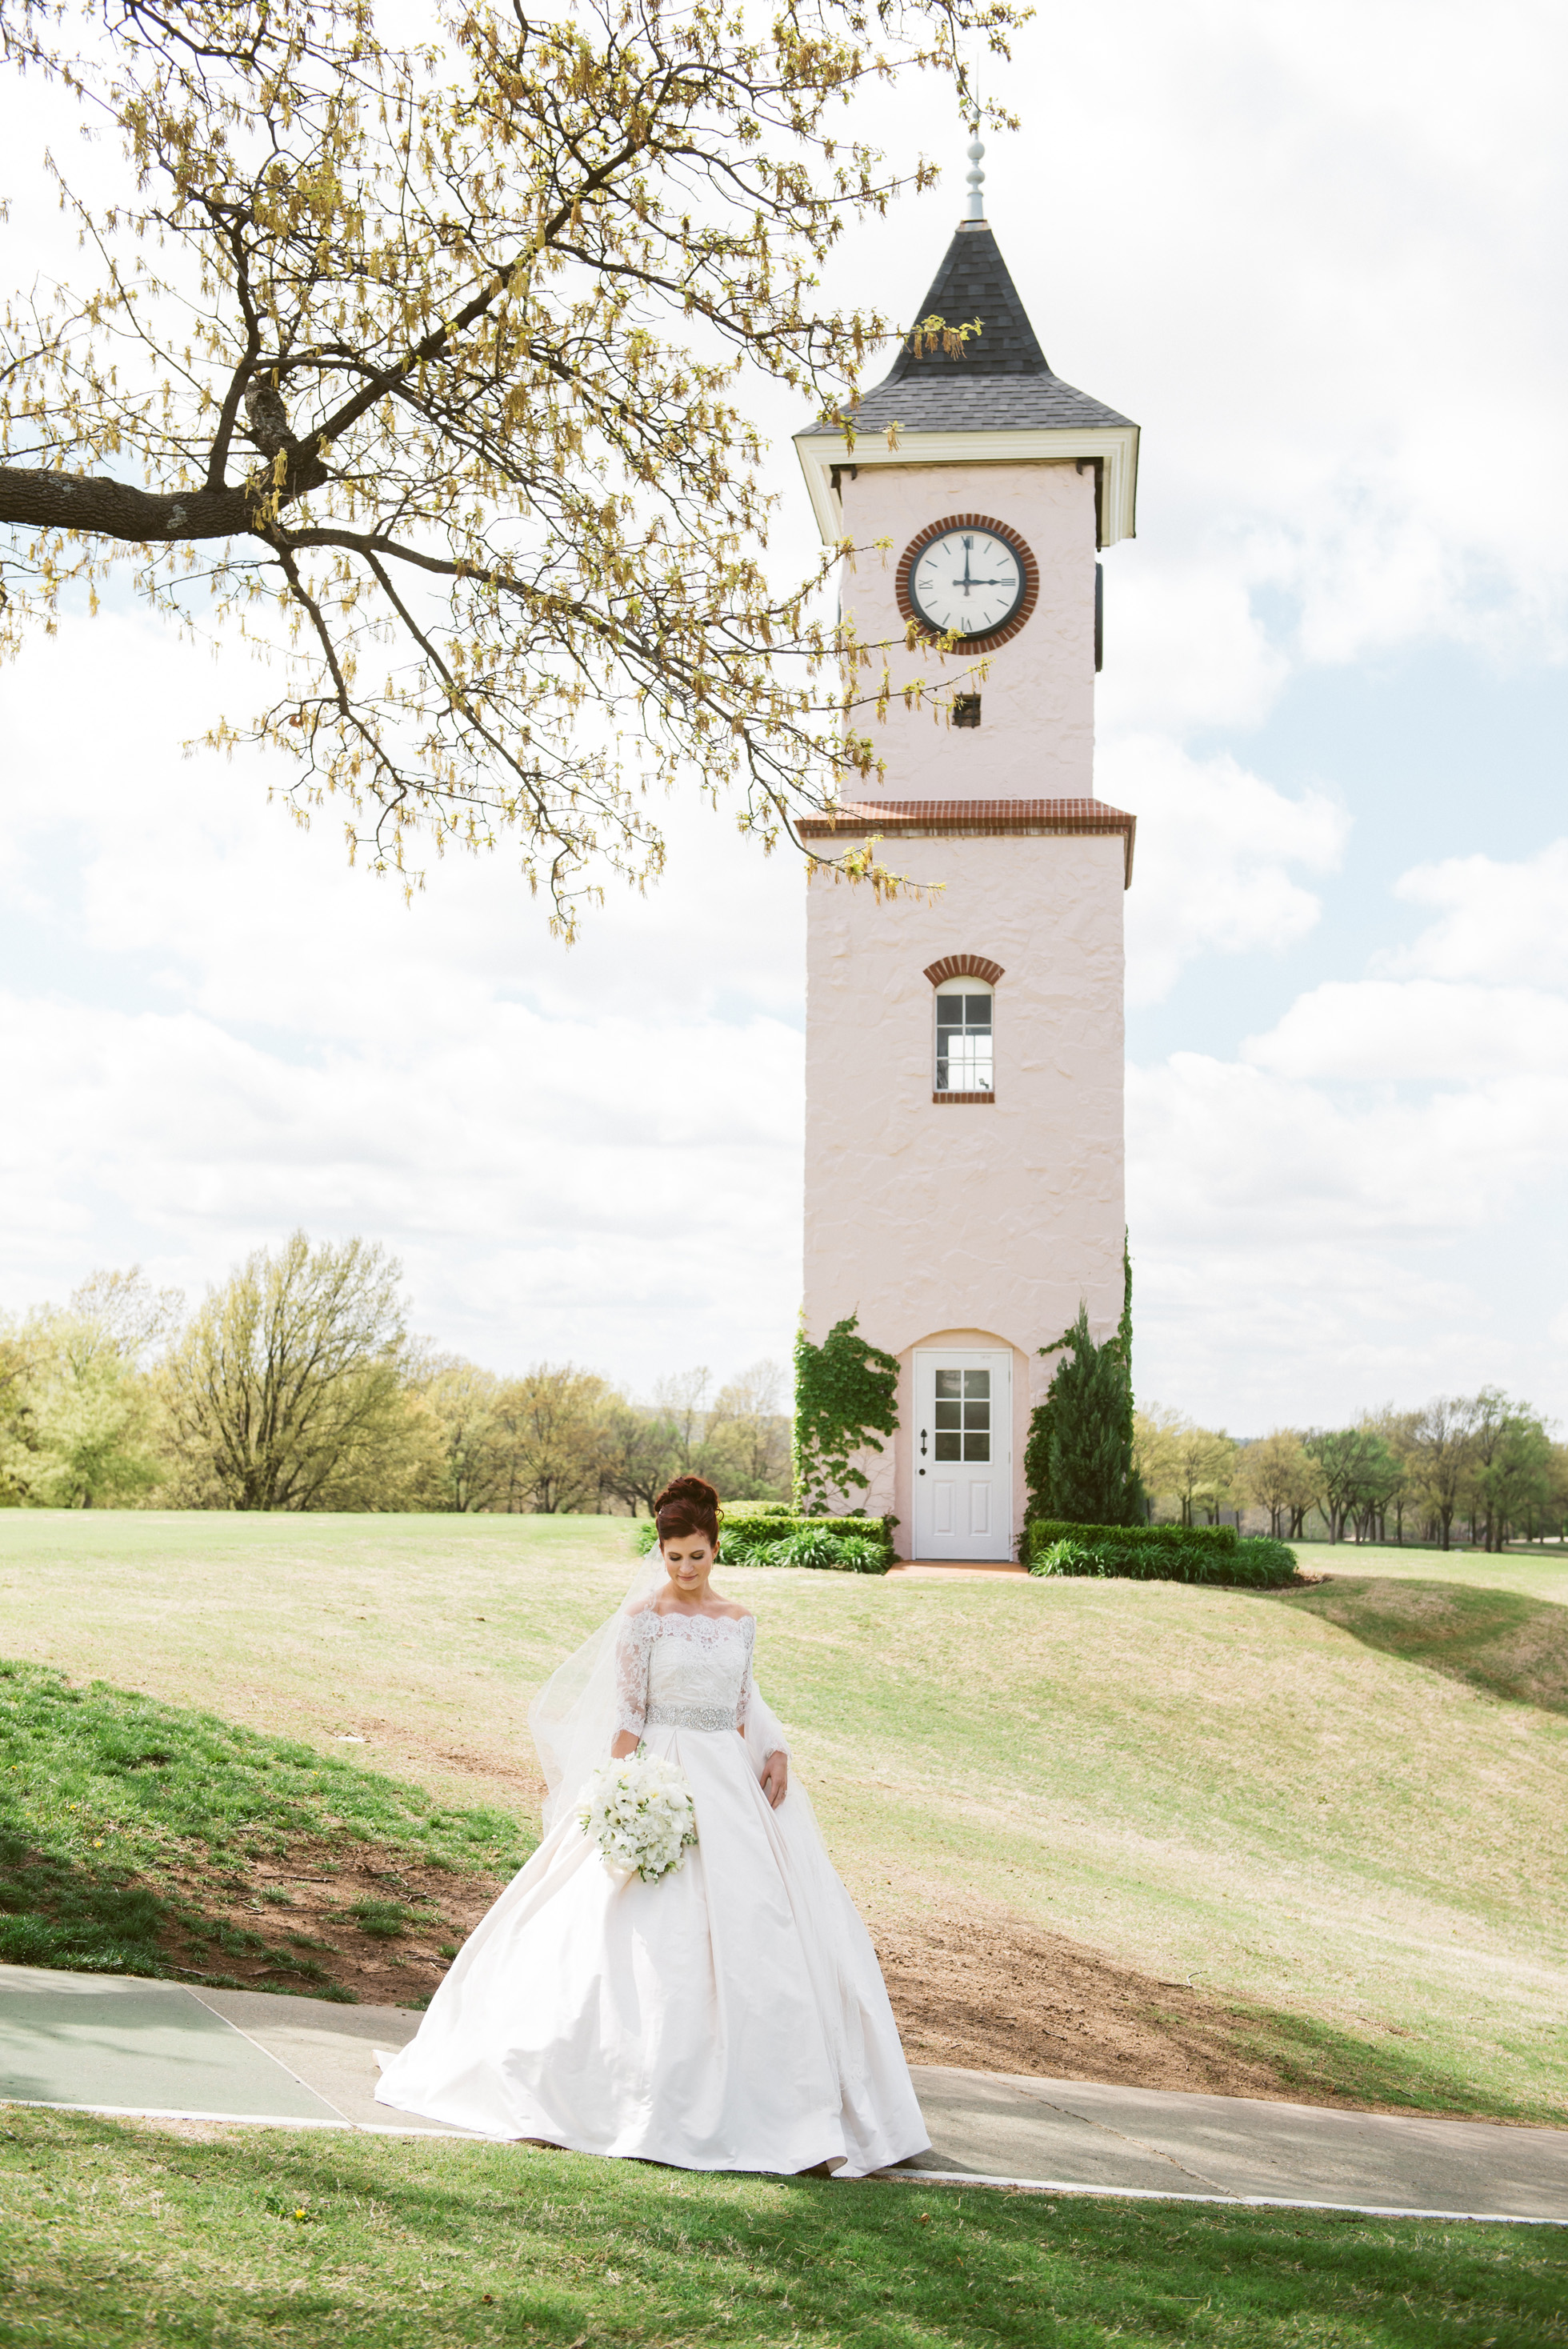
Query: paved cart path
111, 2045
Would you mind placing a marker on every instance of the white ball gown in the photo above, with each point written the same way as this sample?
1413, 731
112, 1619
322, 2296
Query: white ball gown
731, 2015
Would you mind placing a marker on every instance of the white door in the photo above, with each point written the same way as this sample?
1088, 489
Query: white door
962, 1453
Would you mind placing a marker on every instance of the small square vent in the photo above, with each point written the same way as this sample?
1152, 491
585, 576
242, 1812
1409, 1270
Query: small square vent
966, 710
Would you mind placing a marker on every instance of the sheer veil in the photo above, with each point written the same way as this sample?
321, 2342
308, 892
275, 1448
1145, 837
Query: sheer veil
573, 1717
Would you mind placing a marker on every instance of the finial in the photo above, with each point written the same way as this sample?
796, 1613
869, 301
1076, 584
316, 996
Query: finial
976, 176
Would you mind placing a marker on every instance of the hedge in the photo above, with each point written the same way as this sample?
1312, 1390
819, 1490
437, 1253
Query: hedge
1256, 1563
1043, 1530
771, 1533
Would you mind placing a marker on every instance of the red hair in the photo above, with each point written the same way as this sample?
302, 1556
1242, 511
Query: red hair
688, 1504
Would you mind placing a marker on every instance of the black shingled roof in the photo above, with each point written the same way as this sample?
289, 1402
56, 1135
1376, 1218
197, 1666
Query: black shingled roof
1003, 379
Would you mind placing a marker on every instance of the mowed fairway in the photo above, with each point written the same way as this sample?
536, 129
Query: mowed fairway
1338, 1811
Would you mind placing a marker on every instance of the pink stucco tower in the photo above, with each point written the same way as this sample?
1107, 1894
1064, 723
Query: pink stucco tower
964, 1052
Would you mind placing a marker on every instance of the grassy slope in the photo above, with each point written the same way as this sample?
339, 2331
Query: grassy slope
113, 2233
128, 1828
1233, 1786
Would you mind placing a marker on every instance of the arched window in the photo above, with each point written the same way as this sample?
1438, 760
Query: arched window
965, 1036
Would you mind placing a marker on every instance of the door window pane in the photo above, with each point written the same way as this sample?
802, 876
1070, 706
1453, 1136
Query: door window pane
949, 1447
949, 1383
949, 1414
975, 1447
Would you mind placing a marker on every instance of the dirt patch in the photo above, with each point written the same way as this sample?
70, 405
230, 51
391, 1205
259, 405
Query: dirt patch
378, 1926
995, 1994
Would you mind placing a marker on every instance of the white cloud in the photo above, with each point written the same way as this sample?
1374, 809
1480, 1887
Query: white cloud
1216, 849
1299, 1251
1387, 1031
1500, 922
1333, 300
591, 1151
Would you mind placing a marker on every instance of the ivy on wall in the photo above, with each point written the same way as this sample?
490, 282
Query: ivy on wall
1078, 1457
845, 1399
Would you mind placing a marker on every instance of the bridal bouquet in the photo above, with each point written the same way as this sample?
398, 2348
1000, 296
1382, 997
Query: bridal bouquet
639, 1812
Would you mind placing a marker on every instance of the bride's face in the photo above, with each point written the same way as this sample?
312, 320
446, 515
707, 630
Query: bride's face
688, 1562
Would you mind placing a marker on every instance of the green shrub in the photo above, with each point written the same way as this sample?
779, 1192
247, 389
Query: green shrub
766, 1534
1198, 1538
1259, 1564
822, 1544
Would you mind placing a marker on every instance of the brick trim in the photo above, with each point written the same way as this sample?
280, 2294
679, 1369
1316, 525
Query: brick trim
963, 1097
972, 819
934, 530
964, 966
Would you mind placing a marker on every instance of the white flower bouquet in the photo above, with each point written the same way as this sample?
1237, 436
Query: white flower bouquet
640, 1813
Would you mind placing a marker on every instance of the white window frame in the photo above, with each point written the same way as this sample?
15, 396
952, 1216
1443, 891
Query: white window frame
962, 986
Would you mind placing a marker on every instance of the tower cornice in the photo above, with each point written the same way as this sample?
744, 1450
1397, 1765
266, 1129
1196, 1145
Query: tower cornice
826, 452
976, 818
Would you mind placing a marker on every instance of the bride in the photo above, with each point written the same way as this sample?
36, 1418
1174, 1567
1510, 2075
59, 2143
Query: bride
729, 2016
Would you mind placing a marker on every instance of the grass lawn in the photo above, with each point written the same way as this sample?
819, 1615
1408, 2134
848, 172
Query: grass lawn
148, 1838
1338, 1810
118, 2233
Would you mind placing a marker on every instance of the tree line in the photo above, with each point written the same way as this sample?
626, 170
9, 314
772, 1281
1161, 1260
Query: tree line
1482, 1466
296, 1385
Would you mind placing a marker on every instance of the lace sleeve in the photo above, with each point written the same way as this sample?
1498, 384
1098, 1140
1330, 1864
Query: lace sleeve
632, 1649
754, 1717
748, 1686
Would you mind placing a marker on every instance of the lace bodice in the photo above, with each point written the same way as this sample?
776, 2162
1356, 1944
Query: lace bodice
692, 1671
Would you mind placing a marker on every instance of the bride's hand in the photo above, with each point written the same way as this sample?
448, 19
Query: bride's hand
776, 1778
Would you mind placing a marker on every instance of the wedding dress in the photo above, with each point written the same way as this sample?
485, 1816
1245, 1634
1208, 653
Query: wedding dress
731, 2015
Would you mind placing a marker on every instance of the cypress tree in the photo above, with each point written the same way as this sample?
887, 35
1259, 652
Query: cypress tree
1078, 1460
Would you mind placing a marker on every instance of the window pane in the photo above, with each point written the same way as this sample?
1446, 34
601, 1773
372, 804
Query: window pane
949, 1383
950, 1011
976, 1382
977, 1447
943, 1084
977, 1012
949, 1414
947, 1448
976, 1414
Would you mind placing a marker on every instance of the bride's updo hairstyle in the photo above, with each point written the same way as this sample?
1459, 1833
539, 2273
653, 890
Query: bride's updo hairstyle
688, 1505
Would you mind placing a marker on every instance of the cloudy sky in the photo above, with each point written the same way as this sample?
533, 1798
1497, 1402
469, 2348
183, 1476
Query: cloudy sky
1316, 252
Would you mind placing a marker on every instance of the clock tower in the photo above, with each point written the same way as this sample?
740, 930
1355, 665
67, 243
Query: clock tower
964, 1042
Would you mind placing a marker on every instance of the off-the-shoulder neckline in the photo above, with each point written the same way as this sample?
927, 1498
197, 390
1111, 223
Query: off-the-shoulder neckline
675, 1615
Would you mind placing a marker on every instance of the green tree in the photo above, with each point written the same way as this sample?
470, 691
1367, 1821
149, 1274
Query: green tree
1510, 1464
552, 1423
1437, 1451
288, 1390
428, 362
93, 1432
1079, 1461
1278, 1474
1358, 1472
747, 1447
82, 1430
1205, 1461
846, 1400
640, 1452
461, 1398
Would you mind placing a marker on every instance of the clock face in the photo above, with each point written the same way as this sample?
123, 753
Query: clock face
967, 582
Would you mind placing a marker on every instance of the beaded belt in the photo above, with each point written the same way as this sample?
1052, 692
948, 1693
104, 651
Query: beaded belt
690, 1716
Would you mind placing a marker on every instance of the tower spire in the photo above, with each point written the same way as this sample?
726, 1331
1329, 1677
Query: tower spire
976, 174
